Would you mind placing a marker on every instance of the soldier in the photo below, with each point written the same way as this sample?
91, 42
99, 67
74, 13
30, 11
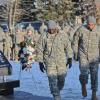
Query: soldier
67, 30
86, 45
70, 30
8, 45
43, 28
2, 40
32, 34
18, 39
52, 57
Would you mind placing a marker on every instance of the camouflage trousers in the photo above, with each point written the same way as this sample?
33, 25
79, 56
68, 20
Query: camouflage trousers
56, 84
92, 69
7, 52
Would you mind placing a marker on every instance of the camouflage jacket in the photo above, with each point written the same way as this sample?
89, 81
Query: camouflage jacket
53, 49
86, 43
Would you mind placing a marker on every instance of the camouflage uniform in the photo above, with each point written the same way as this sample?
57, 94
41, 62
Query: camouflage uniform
86, 45
43, 28
1, 40
8, 45
34, 36
67, 30
18, 39
71, 30
52, 52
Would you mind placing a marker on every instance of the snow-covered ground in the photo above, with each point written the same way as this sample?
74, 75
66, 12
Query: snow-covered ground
34, 85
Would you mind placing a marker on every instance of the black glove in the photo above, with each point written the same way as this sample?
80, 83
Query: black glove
42, 68
69, 62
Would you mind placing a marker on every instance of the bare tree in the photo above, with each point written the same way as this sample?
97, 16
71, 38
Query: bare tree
13, 11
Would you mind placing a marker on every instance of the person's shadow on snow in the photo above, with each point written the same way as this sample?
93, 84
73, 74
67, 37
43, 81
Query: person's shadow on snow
20, 95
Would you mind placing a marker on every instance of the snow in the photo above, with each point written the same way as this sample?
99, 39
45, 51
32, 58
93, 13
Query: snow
34, 85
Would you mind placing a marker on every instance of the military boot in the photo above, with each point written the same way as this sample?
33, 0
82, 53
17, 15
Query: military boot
94, 97
84, 91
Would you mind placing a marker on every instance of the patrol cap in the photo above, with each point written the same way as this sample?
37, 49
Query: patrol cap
52, 24
91, 19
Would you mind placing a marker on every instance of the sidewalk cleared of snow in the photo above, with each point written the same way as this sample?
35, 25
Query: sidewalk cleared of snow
34, 85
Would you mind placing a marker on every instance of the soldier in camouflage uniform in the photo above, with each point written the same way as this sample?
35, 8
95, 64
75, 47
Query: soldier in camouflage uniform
86, 46
43, 28
2, 40
67, 30
52, 57
18, 39
30, 36
8, 45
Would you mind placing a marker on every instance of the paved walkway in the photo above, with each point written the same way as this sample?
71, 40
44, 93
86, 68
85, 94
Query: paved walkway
34, 85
